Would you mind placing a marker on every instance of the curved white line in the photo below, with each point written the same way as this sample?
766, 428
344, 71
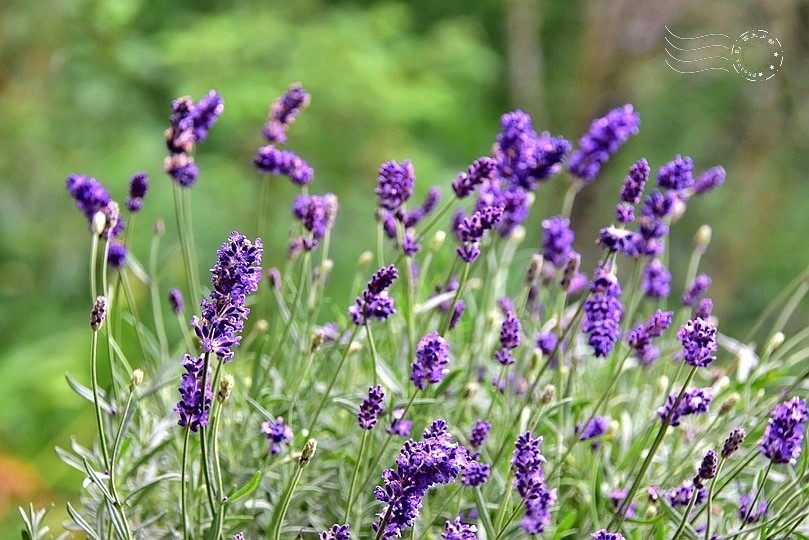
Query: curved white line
698, 37
697, 60
696, 49
690, 72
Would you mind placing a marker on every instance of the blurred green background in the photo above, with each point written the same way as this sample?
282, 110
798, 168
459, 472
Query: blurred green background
85, 86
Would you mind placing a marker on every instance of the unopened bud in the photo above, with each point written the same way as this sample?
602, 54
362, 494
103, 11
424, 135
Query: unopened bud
113, 213
612, 429
571, 269
733, 442
547, 394
517, 235
437, 241
99, 223
98, 313
366, 258
159, 227
776, 341
703, 237
534, 268
470, 390
662, 384
729, 404
274, 277
308, 452
225, 387
651, 511
354, 348
473, 284
261, 326
326, 267
136, 380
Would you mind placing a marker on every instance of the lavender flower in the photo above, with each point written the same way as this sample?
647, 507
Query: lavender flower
436, 459
696, 290
471, 229
138, 185
336, 532
596, 428
707, 468
235, 275
529, 480
460, 306
193, 407
603, 312
189, 124
479, 433
205, 114
89, 194
509, 338
676, 174
274, 277
413, 217
620, 240
182, 169
746, 513
116, 255
704, 309
624, 213
395, 184
634, 183
695, 401
546, 341
604, 534
783, 436
455, 530
698, 337
475, 473
176, 301
432, 357
733, 442
399, 426
317, 214
656, 280
512, 199
483, 169
557, 239
371, 407
98, 313
681, 495
271, 160
374, 302
277, 433
708, 180
283, 112
617, 497
605, 136
640, 337
238, 536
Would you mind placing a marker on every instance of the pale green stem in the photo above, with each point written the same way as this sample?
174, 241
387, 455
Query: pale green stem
275, 526
354, 478
183, 497
710, 498
154, 292
686, 513
758, 494
337, 371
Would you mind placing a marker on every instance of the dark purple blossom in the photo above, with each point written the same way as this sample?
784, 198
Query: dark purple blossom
698, 337
676, 174
603, 312
189, 124
617, 497
708, 180
116, 255
605, 136
634, 183
176, 301
733, 442
783, 436
483, 169
395, 184
707, 468
625, 213
526, 462
640, 337
557, 240
479, 433
656, 280
620, 240
374, 302
513, 201
193, 407
271, 160
509, 338
596, 428
277, 433
317, 214
182, 169
456, 530
704, 309
746, 513
205, 114
91, 197
283, 112
409, 245
336, 532
138, 185
696, 289
546, 341
475, 473
371, 407
436, 459
471, 229
432, 357
460, 306
399, 426
695, 401
681, 495
604, 534
238, 536
659, 205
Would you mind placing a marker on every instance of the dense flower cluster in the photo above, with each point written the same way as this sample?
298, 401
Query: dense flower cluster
747, 513
635, 182
709, 179
189, 124
470, 231
399, 426
317, 214
603, 312
138, 186
698, 337
696, 289
509, 338
395, 184
557, 241
656, 280
526, 463
194, 403
707, 468
694, 401
92, 197
733, 442
605, 136
336, 532
595, 428
640, 337
681, 495
604, 534
476, 473
272, 160
176, 301
482, 170
676, 174
371, 407
432, 357
783, 436
456, 530
617, 497
436, 459
277, 433
374, 302
283, 112
479, 433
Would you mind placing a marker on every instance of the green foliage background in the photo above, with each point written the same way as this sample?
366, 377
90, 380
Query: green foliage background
85, 86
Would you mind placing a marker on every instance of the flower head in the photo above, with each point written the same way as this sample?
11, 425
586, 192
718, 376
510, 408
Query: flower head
479, 433
604, 534
694, 401
456, 530
605, 136
656, 280
336, 532
432, 357
371, 407
470, 230
176, 301
395, 184
557, 240
526, 463
374, 302
483, 169
733, 442
138, 185
746, 512
640, 337
595, 428
475, 473
194, 402
698, 337
317, 214
783, 436
271, 160
189, 124
116, 255
283, 112
634, 183
603, 312
399, 425
708, 180
277, 433
676, 174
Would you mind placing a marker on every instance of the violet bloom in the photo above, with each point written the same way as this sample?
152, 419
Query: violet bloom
708, 180
460, 306
617, 497
546, 341
698, 337
681, 495
317, 214
483, 169
138, 185
634, 183
336, 532
471, 229
436, 459
596, 428
696, 289
733, 442
624, 213
620, 240
640, 337
274, 277
557, 240
475, 473
395, 184
116, 255
455, 530
283, 112
205, 114
238, 536
92, 197
371, 407
526, 462
695, 401
656, 280
707, 468
432, 357
704, 309
749, 515
479, 433
374, 302
412, 217
783, 436
236, 274
277, 433
189, 124
604, 534
193, 406
512, 199
176, 301
509, 338
399, 426
676, 174
605, 136
271, 160
603, 312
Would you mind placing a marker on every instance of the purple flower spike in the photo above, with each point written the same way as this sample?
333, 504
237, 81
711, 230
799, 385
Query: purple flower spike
283, 112
277, 433
116, 256
483, 169
205, 114
317, 214
656, 280
138, 185
557, 240
479, 433
620, 240
271, 160
455, 530
624, 213
698, 337
696, 290
399, 426
603, 312
676, 174
783, 436
695, 401
640, 337
460, 307
371, 407
604, 534
432, 357
746, 513
634, 183
374, 302
475, 474
189, 124
336, 532
182, 169
193, 407
395, 184
526, 463
681, 495
708, 180
605, 136
176, 301
596, 428
617, 497
90, 195
470, 231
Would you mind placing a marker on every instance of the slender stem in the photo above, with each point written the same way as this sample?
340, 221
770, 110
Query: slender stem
337, 371
185, 242
758, 493
221, 499
203, 444
183, 502
458, 291
154, 292
93, 265
504, 502
710, 498
293, 311
384, 523
686, 513
275, 526
99, 420
372, 346
307, 367
354, 478
570, 197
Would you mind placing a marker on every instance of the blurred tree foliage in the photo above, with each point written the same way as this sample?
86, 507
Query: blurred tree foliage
85, 86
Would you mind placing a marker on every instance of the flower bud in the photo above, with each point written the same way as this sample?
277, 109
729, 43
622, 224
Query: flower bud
729, 404
776, 341
470, 390
225, 388
733, 442
534, 268
136, 380
354, 348
308, 452
517, 235
99, 223
703, 237
159, 227
98, 313
366, 258
261, 326
437, 241
663, 384
547, 394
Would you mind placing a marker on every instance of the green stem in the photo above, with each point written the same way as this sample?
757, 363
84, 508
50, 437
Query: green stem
183, 228
221, 499
372, 346
458, 291
686, 513
286, 498
293, 311
755, 499
354, 478
337, 371
99, 420
570, 197
710, 498
203, 444
154, 292
183, 497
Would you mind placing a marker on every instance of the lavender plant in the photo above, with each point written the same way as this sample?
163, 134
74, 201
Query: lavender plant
297, 422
